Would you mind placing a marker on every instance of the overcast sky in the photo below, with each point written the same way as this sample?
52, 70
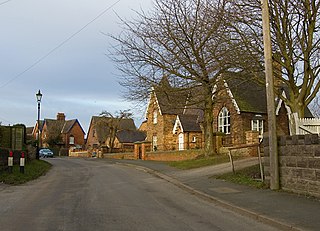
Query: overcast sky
59, 47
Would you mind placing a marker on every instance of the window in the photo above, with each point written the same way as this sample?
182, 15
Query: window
93, 132
154, 143
155, 117
194, 139
224, 121
71, 139
257, 125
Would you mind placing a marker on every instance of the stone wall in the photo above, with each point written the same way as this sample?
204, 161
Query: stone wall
299, 163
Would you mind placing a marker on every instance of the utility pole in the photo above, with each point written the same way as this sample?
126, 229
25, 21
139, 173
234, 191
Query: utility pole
272, 132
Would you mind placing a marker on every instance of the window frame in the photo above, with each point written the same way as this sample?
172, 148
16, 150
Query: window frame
224, 121
258, 126
155, 117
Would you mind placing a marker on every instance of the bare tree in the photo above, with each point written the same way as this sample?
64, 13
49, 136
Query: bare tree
315, 106
295, 32
189, 42
112, 124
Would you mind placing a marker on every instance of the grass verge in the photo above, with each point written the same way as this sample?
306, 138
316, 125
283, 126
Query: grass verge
32, 170
200, 162
248, 176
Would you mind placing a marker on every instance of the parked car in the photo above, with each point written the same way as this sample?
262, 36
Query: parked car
45, 152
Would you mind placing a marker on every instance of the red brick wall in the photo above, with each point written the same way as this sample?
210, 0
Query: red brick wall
78, 134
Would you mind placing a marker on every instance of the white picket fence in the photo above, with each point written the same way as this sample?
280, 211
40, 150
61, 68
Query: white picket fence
308, 126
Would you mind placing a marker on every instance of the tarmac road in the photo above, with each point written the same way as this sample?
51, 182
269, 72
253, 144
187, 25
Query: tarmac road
83, 194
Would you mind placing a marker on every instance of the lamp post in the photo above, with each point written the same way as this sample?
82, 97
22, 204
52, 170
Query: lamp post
38, 96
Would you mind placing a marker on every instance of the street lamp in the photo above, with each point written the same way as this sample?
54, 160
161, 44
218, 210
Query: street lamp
38, 96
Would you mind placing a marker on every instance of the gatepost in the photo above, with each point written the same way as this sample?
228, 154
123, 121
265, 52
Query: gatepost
22, 161
10, 162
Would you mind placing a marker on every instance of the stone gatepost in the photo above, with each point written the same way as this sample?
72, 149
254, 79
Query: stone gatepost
137, 150
145, 146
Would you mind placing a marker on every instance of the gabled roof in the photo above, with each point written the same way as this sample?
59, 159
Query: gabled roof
190, 123
129, 136
102, 130
187, 123
125, 124
62, 126
248, 92
171, 101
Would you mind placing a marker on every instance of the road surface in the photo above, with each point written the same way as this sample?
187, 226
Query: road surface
92, 194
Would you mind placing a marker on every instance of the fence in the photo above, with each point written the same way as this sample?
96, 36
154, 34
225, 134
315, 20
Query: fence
308, 126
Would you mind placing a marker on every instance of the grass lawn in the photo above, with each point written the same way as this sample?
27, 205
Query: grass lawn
200, 162
32, 170
248, 176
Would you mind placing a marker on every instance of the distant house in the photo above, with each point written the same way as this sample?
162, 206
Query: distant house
35, 129
99, 133
125, 140
62, 132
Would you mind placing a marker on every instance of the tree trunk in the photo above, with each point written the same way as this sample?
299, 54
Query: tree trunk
208, 125
297, 111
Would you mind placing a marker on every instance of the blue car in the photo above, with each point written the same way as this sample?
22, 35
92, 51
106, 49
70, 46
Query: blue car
45, 152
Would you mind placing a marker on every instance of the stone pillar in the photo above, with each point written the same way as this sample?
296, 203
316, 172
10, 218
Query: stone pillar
137, 148
145, 146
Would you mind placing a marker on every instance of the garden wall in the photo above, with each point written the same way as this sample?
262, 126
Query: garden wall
299, 163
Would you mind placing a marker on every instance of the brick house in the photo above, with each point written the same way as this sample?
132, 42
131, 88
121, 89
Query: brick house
161, 114
240, 113
126, 135
65, 133
241, 106
188, 129
125, 140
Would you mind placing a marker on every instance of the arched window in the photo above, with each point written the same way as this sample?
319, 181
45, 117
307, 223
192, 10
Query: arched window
224, 121
155, 117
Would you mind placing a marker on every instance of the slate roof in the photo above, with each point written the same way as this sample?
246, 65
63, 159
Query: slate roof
129, 136
248, 92
171, 101
62, 126
190, 123
102, 130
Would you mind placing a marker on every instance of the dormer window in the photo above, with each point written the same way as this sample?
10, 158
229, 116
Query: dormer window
155, 117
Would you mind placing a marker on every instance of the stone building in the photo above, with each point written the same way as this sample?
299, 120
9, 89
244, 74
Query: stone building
240, 106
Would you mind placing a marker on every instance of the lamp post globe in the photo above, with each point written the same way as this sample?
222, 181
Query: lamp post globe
39, 97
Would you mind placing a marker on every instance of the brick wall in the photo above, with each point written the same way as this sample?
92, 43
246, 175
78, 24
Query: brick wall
299, 163
78, 135
172, 155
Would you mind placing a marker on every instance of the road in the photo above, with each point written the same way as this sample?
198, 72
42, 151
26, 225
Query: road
90, 194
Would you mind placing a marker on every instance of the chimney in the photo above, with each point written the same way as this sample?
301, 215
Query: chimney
61, 116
